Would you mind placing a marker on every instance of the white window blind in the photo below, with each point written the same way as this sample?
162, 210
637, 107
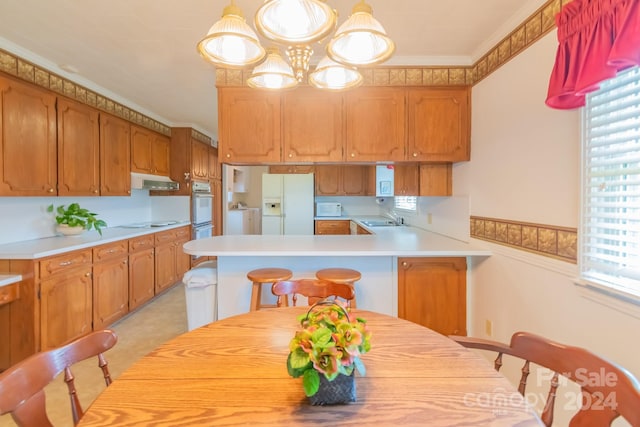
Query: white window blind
408, 203
610, 226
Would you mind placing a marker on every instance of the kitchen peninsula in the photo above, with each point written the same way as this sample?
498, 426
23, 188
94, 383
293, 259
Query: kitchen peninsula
383, 258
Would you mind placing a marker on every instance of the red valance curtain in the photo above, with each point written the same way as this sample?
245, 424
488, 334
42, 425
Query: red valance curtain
596, 39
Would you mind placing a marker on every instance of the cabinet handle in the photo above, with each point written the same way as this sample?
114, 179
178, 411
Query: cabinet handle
65, 263
50, 190
353, 154
404, 263
95, 191
290, 155
228, 155
87, 274
415, 154
124, 261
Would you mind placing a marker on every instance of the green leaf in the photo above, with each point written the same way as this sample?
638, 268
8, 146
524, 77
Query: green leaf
311, 382
50, 208
321, 336
298, 362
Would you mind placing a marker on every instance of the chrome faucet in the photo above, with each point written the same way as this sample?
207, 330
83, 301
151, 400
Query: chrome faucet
398, 220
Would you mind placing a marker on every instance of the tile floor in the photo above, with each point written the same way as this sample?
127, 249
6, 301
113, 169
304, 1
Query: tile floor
138, 333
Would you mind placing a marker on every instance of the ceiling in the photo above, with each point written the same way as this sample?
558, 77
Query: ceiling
142, 53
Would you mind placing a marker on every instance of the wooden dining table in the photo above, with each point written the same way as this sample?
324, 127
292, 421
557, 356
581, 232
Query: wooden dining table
233, 372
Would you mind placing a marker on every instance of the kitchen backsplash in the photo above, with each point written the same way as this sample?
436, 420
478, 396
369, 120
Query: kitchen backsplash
25, 218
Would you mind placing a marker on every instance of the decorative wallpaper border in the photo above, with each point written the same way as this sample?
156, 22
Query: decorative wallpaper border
533, 28
199, 136
548, 240
24, 70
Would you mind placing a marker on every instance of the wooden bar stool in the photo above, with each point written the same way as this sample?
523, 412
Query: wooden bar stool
341, 275
261, 276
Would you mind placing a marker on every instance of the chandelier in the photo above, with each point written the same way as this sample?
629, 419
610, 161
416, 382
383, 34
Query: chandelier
296, 25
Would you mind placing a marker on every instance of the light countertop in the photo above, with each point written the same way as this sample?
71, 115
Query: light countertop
387, 241
7, 279
40, 248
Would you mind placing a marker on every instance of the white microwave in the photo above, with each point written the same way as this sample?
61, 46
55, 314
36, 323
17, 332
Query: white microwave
328, 209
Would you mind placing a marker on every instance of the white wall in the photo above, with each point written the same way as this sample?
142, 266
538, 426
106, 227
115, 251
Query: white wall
25, 218
525, 166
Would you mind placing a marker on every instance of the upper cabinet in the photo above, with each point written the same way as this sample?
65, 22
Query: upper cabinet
375, 124
250, 128
199, 161
313, 128
215, 171
406, 179
438, 125
341, 180
28, 164
115, 157
368, 124
149, 152
190, 159
78, 149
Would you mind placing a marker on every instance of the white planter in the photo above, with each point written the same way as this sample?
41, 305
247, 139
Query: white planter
65, 230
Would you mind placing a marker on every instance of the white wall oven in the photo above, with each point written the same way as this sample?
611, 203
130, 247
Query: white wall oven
201, 210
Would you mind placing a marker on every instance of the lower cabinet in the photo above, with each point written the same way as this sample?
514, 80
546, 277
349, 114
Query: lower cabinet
340, 226
433, 293
141, 270
66, 300
170, 261
110, 283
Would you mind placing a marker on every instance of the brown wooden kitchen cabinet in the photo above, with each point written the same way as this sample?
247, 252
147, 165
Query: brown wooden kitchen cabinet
215, 169
250, 126
341, 180
326, 226
66, 298
78, 149
438, 124
171, 262
141, 270
432, 292
115, 156
375, 124
110, 283
27, 140
199, 161
406, 179
150, 152
436, 179
313, 129
190, 160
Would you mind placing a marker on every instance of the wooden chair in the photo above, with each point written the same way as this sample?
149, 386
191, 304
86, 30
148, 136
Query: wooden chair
313, 289
340, 275
22, 385
608, 390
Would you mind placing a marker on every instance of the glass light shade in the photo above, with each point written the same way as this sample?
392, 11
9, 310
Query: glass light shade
295, 21
333, 76
273, 73
231, 42
361, 39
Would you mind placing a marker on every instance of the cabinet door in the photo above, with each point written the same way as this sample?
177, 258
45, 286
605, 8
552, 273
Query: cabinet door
406, 179
65, 307
375, 124
110, 291
165, 266
115, 157
354, 180
141, 277
436, 179
250, 129
332, 227
183, 260
328, 180
27, 140
438, 121
432, 292
199, 161
313, 127
160, 154
78, 149
214, 164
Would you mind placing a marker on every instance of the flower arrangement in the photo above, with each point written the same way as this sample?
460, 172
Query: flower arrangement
330, 343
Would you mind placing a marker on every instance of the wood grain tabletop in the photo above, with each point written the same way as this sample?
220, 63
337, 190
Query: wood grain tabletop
233, 372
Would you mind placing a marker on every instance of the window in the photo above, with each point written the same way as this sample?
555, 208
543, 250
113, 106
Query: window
610, 225
407, 203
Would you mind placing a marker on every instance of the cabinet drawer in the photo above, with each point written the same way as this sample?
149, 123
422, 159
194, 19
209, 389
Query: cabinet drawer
57, 264
332, 227
111, 250
9, 293
141, 243
165, 237
182, 232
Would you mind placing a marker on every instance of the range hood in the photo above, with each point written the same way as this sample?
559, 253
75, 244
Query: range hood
142, 181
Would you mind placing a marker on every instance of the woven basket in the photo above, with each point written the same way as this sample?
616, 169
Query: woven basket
341, 390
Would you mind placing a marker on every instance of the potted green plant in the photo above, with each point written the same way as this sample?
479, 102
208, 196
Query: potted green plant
74, 219
326, 351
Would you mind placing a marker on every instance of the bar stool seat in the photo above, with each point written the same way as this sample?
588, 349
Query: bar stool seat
340, 275
261, 276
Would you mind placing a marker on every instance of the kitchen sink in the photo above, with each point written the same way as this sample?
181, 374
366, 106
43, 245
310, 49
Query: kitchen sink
379, 223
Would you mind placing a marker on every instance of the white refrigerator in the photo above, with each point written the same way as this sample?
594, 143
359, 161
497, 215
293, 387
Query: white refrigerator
287, 203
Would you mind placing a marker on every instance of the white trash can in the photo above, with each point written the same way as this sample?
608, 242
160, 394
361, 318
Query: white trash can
200, 286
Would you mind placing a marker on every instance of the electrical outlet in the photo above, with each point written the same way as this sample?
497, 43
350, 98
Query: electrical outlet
488, 327
429, 218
